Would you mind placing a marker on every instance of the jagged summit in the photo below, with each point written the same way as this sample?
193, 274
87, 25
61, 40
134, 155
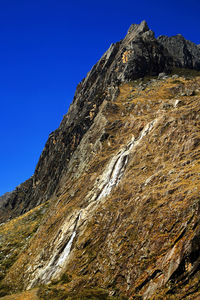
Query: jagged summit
138, 28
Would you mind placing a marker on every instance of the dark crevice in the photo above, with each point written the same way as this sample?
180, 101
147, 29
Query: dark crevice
180, 236
149, 278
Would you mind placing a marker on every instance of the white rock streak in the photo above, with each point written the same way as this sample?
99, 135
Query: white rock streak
45, 272
115, 171
57, 261
66, 251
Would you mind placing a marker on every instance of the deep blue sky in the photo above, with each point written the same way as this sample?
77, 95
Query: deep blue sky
47, 47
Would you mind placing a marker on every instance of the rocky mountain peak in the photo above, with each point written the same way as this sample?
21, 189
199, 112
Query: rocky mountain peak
138, 32
135, 29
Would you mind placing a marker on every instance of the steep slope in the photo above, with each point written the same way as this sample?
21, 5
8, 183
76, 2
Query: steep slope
135, 56
122, 178
128, 216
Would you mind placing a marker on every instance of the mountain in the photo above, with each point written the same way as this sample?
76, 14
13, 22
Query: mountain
112, 210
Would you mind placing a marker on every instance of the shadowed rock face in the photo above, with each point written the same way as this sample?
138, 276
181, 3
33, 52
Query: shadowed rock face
4, 198
137, 55
185, 53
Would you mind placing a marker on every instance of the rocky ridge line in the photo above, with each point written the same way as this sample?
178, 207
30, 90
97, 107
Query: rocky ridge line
137, 55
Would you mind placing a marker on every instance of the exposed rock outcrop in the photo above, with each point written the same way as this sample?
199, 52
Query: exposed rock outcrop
4, 198
185, 53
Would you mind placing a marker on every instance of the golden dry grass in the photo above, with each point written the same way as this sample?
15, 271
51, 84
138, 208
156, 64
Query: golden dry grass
29, 295
132, 231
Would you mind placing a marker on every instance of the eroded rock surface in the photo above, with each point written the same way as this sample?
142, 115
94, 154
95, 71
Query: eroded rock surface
185, 53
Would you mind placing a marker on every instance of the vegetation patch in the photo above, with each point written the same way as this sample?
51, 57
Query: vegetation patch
14, 238
90, 293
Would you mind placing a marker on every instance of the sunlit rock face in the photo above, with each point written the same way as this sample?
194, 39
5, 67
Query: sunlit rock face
119, 185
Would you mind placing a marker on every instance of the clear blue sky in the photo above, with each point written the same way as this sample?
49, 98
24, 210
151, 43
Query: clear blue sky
47, 47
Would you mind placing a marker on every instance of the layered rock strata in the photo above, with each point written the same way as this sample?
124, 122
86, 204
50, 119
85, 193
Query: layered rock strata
137, 55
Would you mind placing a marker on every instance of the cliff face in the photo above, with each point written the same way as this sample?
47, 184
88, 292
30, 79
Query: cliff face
185, 53
137, 55
114, 200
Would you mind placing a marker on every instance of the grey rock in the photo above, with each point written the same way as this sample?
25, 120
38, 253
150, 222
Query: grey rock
178, 103
166, 106
161, 75
185, 53
175, 76
4, 198
189, 92
136, 29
